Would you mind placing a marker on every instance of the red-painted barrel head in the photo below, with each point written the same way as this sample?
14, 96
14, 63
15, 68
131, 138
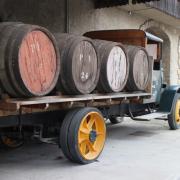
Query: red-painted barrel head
37, 62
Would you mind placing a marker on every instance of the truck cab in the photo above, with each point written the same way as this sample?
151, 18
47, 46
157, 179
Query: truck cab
164, 102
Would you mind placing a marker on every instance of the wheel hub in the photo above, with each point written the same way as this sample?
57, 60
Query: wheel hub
92, 136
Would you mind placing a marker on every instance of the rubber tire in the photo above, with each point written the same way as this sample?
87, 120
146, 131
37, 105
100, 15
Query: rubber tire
114, 120
171, 117
64, 131
69, 134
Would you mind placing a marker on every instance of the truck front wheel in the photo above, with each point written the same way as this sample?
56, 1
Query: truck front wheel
174, 117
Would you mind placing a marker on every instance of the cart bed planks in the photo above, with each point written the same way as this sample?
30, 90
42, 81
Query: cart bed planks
50, 103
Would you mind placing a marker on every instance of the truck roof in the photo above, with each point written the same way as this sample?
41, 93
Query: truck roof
153, 37
127, 36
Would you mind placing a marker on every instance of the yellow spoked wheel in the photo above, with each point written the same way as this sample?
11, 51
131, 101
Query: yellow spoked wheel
91, 135
174, 117
83, 135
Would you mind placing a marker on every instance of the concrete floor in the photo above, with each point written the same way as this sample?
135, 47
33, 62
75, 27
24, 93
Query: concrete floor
134, 150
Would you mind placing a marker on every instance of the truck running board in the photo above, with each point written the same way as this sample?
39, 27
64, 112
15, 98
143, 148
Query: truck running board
148, 117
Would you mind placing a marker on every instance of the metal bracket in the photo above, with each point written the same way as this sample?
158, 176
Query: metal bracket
38, 134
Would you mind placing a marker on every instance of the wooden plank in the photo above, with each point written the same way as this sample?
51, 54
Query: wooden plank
78, 98
8, 106
128, 36
52, 103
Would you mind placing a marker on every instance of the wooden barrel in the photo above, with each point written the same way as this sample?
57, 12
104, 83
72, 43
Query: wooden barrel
79, 62
114, 66
29, 60
139, 73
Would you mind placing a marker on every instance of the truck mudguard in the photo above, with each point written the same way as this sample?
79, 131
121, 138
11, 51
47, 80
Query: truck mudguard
167, 98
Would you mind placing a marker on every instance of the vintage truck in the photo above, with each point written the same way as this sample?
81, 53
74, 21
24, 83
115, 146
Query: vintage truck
76, 122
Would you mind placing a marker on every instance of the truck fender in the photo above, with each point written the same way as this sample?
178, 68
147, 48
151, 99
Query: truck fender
168, 97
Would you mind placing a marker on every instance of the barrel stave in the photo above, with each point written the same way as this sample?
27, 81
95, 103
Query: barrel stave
6, 82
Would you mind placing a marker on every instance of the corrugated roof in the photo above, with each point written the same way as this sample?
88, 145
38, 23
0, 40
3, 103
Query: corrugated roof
110, 3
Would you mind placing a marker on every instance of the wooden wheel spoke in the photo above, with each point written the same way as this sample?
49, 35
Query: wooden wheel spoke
99, 133
83, 147
83, 137
91, 123
84, 131
91, 147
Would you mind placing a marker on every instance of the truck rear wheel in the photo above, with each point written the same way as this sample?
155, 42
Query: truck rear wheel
116, 120
83, 134
174, 117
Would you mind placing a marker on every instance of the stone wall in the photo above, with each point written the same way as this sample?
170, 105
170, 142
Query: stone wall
47, 13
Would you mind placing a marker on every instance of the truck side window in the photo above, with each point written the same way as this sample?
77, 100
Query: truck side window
156, 65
